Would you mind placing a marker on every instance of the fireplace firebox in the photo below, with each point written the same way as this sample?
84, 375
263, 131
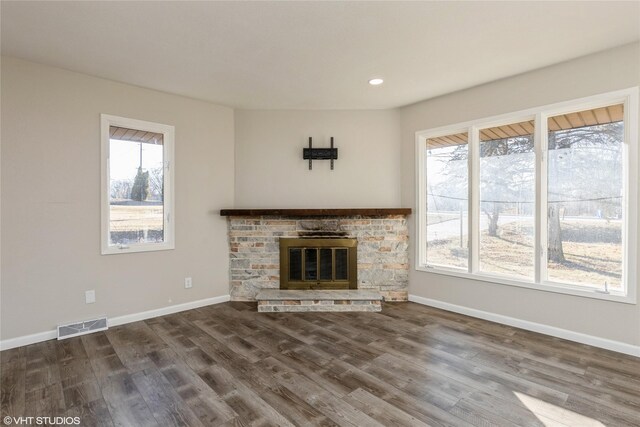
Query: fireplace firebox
318, 263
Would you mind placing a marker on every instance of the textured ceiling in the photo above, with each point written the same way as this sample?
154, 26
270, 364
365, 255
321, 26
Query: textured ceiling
311, 55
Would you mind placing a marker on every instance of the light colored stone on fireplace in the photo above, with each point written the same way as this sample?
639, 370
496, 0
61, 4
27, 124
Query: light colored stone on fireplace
276, 300
318, 294
383, 260
265, 307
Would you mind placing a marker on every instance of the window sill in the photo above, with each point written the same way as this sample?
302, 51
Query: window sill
545, 287
114, 250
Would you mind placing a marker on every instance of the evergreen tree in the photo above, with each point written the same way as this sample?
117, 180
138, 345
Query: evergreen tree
140, 189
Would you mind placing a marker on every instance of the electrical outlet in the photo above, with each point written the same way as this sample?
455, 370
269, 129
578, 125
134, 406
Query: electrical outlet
188, 283
90, 297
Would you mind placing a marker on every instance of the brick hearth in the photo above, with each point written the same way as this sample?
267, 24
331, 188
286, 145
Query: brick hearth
275, 300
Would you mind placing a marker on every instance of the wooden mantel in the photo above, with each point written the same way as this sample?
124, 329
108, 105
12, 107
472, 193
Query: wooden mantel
316, 212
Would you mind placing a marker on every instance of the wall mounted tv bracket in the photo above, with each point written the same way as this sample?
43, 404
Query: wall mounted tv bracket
312, 154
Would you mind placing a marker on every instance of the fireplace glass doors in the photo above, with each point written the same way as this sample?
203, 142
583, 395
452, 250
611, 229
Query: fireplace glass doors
318, 263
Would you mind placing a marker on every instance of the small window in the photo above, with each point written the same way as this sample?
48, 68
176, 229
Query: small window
137, 209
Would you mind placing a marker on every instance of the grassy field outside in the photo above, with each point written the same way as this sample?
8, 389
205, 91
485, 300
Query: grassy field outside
592, 250
136, 223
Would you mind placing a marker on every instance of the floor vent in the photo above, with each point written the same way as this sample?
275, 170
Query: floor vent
82, 328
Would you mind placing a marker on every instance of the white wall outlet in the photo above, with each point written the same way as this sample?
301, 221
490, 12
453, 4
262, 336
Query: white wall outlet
90, 296
188, 283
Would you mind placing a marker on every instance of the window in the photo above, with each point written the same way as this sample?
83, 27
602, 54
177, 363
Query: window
447, 201
137, 198
585, 197
507, 197
539, 198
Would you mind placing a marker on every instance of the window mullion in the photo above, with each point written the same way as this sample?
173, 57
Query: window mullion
629, 193
474, 199
421, 207
541, 144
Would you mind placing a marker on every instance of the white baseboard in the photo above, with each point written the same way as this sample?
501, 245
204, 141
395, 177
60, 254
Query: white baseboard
605, 343
135, 317
28, 339
120, 320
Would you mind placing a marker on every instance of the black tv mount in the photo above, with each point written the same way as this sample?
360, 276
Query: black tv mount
312, 154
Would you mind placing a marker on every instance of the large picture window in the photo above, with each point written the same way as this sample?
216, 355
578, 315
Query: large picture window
541, 198
137, 185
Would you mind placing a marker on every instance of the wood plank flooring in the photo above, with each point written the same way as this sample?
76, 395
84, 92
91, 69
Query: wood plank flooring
410, 365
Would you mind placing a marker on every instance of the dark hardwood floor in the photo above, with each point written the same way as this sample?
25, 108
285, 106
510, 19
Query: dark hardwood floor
409, 365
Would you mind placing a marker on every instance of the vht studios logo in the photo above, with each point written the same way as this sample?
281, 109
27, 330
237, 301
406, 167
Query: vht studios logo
40, 421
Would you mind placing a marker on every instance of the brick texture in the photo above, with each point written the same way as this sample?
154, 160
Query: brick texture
383, 260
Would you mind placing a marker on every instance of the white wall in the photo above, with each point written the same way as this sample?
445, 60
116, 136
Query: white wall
606, 71
51, 200
270, 171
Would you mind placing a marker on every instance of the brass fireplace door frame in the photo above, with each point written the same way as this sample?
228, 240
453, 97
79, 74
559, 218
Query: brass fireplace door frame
312, 243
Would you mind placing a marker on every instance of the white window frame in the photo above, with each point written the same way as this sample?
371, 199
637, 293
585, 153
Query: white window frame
168, 132
628, 97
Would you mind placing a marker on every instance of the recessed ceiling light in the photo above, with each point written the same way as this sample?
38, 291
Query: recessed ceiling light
376, 82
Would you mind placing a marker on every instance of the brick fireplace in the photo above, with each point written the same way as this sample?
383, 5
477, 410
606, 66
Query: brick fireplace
382, 246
